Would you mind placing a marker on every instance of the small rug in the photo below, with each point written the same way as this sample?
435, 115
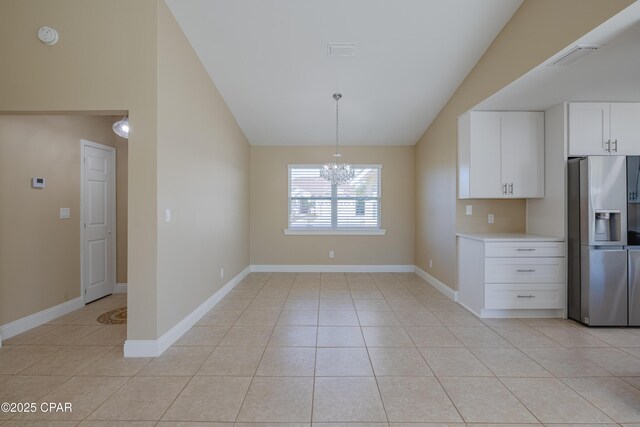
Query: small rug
114, 317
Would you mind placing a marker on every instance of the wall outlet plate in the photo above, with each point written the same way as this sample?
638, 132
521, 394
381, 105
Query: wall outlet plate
469, 210
491, 218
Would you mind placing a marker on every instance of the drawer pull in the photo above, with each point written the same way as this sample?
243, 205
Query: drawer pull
525, 249
526, 296
531, 270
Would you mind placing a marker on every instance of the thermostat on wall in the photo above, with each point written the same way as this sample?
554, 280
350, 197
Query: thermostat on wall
37, 182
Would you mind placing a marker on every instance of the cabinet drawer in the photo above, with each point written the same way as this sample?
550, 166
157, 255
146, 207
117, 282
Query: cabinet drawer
519, 296
524, 270
524, 249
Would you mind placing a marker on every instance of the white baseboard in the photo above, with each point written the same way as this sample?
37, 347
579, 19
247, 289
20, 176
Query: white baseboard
274, 268
121, 288
29, 322
523, 314
478, 315
154, 348
447, 291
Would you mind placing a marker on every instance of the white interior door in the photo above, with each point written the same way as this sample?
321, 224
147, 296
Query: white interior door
98, 227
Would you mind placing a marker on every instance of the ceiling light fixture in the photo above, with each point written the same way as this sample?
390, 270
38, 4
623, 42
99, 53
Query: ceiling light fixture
336, 172
121, 127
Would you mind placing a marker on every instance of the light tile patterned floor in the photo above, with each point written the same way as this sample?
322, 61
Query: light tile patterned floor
331, 348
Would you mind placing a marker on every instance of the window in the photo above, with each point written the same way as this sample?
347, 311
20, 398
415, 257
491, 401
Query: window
316, 205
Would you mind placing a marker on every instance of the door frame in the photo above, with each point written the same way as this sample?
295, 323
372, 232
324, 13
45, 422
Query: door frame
85, 143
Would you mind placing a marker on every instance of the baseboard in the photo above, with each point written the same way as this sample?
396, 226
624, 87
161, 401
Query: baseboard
154, 348
523, 314
29, 322
121, 288
299, 268
444, 289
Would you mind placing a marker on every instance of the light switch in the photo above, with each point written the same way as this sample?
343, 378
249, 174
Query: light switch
65, 213
167, 215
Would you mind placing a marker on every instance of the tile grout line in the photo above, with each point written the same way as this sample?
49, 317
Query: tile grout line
439, 382
375, 377
263, 350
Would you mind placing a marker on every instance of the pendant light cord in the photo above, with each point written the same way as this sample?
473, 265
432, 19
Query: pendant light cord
337, 97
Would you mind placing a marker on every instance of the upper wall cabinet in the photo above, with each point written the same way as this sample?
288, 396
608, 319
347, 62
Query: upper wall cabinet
501, 155
603, 128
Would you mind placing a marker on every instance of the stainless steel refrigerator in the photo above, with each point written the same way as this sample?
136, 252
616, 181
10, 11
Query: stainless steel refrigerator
598, 279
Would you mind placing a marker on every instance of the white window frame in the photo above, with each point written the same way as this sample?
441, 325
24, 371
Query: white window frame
334, 230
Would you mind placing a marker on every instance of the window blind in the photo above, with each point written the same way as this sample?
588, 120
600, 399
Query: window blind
314, 203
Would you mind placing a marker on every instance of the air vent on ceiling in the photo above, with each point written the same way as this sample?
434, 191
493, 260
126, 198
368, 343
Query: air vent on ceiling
341, 49
576, 53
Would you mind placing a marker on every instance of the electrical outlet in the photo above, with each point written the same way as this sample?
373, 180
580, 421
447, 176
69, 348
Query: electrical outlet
491, 218
167, 215
430, 263
469, 210
222, 273
331, 254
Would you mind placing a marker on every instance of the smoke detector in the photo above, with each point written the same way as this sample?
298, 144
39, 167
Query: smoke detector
48, 35
576, 53
341, 49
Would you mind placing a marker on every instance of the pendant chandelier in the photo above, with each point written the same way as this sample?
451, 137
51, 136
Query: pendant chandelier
336, 172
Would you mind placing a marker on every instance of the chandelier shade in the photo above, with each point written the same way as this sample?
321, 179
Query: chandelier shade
121, 127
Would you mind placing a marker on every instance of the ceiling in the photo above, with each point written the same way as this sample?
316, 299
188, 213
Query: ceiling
268, 59
612, 73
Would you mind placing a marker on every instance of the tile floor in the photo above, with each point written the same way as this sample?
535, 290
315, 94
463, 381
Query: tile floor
310, 348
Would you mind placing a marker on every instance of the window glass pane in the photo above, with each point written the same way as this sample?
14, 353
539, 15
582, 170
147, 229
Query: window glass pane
364, 183
356, 213
310, 213
307, 182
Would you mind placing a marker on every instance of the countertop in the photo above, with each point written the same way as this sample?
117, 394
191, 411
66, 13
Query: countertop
508, 237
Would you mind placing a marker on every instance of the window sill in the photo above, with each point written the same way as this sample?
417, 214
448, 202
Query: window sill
302, 232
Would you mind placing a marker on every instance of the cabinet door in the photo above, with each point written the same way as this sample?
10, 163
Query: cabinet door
589, 128
625, 128
484, 163
522, 154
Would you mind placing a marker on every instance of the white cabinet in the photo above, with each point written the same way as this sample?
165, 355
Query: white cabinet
603, 128
501, 154
499, 277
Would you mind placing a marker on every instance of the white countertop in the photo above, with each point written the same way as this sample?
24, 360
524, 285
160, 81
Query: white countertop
508, 237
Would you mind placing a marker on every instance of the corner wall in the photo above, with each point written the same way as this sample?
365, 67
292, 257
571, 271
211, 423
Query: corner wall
203, 177
538, 30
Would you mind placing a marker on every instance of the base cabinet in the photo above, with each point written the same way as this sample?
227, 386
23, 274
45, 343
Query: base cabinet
516, 278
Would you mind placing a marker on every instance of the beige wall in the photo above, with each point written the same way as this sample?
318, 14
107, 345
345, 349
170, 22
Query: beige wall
269, 186
538, 29
39, 252
122, 185
105, 61
203, 177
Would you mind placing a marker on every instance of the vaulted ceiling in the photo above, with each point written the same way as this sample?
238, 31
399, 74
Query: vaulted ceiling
268, 59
